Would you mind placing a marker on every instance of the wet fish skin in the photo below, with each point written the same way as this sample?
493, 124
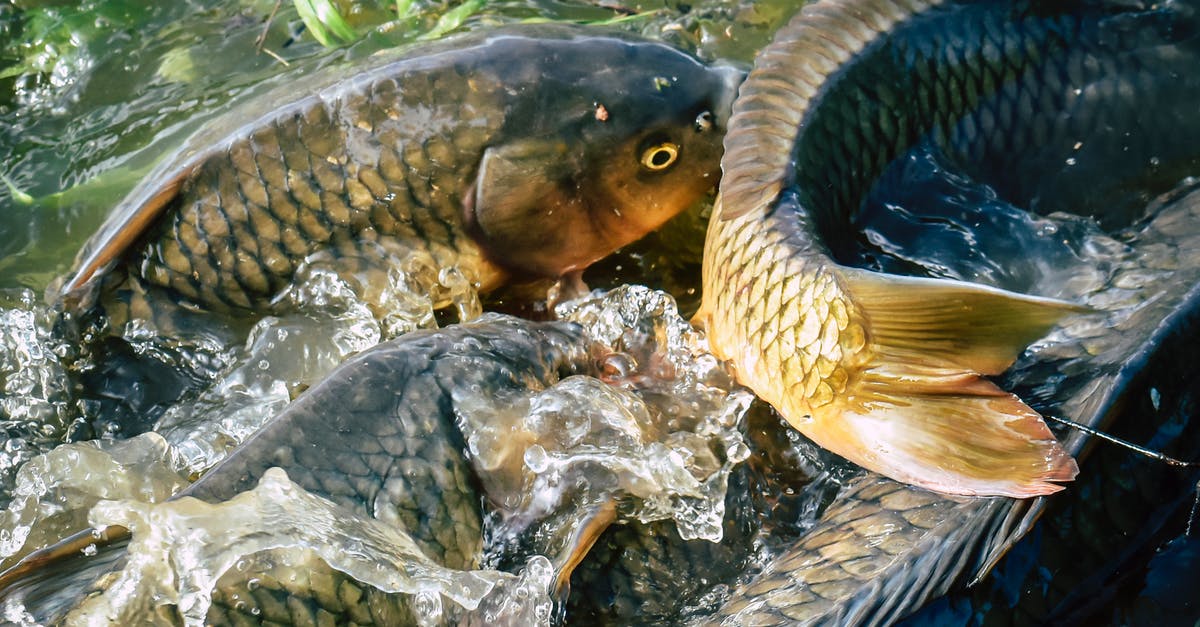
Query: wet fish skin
886, 370
517, 152
1095, 540
881, 549
1087, 376
639, 573
395, 454
378, 437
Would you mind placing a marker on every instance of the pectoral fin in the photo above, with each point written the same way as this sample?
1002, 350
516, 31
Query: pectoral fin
582, 536
920, 410
515, 203
511, 181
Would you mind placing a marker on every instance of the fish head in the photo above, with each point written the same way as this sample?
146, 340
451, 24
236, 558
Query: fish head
620, 143
659, 150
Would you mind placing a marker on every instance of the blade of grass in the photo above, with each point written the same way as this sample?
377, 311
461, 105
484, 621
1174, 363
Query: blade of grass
404, 8
18, 196
322, 19
453, 19
611, 21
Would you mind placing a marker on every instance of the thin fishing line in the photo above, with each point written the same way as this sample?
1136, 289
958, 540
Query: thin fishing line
1127, 444
1187, 533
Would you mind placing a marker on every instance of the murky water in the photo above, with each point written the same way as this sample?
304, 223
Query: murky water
116, 81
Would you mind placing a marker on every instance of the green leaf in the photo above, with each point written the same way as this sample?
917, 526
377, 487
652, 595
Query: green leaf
322, 19
453, 19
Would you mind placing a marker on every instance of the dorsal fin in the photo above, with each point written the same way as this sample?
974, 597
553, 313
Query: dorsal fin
127, 224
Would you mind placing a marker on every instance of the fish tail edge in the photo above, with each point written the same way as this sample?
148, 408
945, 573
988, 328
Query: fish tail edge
921, 410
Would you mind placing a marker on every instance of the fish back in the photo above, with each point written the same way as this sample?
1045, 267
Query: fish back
1021, 95
527, 151
338, 173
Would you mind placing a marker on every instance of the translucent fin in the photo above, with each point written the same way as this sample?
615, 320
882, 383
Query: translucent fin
583, 536
943, 323
949, 431
921, 412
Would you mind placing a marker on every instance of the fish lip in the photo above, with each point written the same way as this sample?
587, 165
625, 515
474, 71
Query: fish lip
731, 76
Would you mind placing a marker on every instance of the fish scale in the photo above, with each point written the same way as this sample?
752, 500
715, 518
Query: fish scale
484, 153
912, 364
302, 180
884, 548
378, 438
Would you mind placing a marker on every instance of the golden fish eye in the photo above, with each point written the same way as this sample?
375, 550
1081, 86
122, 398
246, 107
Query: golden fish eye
659, 157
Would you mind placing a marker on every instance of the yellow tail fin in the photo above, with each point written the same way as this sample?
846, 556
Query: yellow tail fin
919, 410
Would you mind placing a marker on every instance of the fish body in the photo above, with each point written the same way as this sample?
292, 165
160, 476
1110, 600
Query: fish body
377, 438
527, 151
888, 371
1093, 553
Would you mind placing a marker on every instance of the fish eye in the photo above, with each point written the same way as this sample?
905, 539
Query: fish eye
660, 156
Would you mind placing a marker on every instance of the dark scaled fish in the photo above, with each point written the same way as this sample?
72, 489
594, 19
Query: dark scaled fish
1103, 554
528, 151
378, 438
1044, 101
883, 548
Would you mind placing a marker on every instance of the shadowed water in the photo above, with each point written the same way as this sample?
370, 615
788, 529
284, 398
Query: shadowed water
205, 395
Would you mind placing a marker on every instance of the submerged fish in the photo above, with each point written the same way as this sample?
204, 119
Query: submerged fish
888, 371
521, 152
883, 549
379, 439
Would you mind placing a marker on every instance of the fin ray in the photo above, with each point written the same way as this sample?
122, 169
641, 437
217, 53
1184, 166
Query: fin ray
919, 408
940, 322
951, 431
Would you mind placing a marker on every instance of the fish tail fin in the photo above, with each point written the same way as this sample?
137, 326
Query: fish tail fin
922, 412
952, 323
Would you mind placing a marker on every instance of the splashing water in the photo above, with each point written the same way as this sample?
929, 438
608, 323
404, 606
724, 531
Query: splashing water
180, 549
283, 355
656, 432
54, 491
36, 406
